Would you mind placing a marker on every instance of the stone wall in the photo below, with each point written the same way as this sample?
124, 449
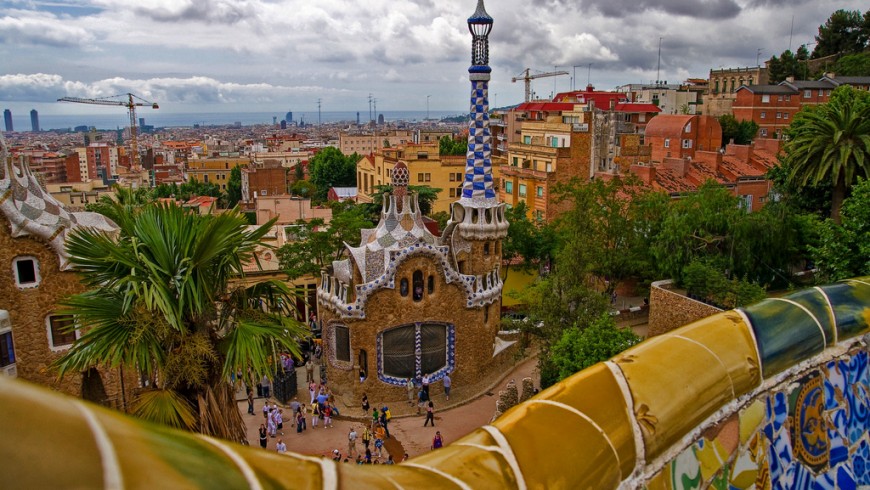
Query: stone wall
669, 310
28, 310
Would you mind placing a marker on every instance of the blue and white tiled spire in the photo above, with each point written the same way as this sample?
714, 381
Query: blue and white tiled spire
477, 189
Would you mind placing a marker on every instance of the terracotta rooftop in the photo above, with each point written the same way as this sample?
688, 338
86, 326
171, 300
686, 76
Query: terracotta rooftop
667, 125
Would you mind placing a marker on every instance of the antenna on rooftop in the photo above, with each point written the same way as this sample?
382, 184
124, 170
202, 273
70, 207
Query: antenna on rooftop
318, 112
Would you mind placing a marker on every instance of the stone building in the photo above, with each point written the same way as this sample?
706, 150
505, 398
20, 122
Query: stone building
407, 304
34, 279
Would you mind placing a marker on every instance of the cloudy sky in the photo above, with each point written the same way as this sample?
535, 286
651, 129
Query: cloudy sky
279, 55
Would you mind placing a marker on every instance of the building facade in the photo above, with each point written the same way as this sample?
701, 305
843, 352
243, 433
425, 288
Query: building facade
678, 136
407, 305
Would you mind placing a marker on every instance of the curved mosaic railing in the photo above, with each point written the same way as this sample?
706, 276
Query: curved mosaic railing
772, 396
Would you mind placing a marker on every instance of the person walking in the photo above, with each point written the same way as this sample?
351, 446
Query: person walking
385, 418
437, 441
279, 421
281, 447
312, 390
315, 415
327, 416
412, 390
294, 407
430, 414
366, 437
300, 422
251, 402
309, 371
379, 439
266, 386
375, 417
447, 382
263, 439
365, 403
351, 442
272, 424
266, 411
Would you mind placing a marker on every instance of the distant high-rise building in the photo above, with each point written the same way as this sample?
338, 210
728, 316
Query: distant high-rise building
380, 119
289, 117
274, 120
7, 116
357, 118
283, 124
34, 120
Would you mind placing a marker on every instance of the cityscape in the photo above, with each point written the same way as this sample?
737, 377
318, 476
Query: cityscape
666, 280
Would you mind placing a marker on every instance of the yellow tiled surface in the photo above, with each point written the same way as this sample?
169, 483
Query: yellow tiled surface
547, 439
475, 460
675, 384
587, 391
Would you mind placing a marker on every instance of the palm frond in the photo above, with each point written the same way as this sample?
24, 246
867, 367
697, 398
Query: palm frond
164, 407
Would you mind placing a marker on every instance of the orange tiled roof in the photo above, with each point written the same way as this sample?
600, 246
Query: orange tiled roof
667, 125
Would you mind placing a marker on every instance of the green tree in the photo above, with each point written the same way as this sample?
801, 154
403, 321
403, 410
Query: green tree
844, 249
845, 31
124, 202
789, 64
528, 243
302, 188
188, 190
161, 300
331, 168
853, 65
317, 245
742, 132
426, 197
577, 349
450, 146
234, 187
830, 144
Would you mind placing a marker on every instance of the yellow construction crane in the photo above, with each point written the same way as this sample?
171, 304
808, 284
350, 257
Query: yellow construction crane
131, 105
528, 79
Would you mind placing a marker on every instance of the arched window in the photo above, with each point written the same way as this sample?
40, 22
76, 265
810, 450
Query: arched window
486, 314
403, 287
403, 349
363, 360
418, 285
431, 285
486, 248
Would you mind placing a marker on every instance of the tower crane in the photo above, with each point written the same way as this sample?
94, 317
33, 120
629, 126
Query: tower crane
525, 76
128, 102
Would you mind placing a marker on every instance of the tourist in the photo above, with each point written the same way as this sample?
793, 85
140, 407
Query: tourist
366, 436
266, 411
336, 455
251, 402
385, 418
411, 390
279, 420
309, 371
365, 403
327, 416
447, 381
379, 439
315, 415
281, 447
368, 456
271, 423
263, 439
300, 421
426, 386
266, 386
430, 414
437, 441
294, 407
375, 417
312, 391
351, 442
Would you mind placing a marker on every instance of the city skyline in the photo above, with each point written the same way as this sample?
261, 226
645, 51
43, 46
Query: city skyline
258, 55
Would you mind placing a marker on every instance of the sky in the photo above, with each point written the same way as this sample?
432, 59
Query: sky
284, 55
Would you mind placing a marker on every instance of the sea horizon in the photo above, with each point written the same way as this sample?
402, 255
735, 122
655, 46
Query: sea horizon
49, 122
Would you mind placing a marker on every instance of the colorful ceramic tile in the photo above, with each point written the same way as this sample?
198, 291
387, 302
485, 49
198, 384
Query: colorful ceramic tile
676, 384
686, 471
835, 383
786, 334
711, 455
857, 397
825, 481
845, 478
720, 482
850, 302
816, 303
861, 463
744, 472
750, 419
811, 445
798, 478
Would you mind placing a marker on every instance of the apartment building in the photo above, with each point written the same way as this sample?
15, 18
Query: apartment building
364, 142
681, 136
773, 107
215, 170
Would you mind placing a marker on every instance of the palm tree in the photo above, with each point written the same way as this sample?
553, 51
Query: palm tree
831, 144
162, 301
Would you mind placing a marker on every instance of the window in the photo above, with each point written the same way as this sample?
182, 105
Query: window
779, 98
808, 94
452, 177
764, 114
430, 285
403, 287
779, 115
509, 187
527, 140
459, 177
785, 115
59, 334
418, 285
522, 190
7, 350
667, 142
26, 271
452, 192
540, 191
763, 132
342, 343
515, 162
401, 358
788, 98
486, 248
765, 99
549, 166
687, 144
688, 128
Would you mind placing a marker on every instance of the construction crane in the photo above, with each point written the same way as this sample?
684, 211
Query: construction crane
131, 105
525, 76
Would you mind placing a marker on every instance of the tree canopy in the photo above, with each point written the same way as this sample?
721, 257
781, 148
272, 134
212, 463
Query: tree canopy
844, 249
789, 64
188, 190
331, 168
845, 31
577, 349
450, 146
234, 187
742, 132
161, 300
426, 196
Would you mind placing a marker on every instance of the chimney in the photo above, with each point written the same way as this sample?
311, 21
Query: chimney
590, 88
646, 173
